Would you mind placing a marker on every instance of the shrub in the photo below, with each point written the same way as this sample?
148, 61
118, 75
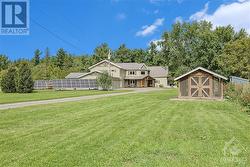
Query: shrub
245, 95
104, 80
24, 81
238, 93
8, 84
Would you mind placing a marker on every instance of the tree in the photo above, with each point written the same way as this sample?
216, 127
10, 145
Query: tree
101, 52
153, 56
61, 58
24, 81
4, 62
122, 54
235, 58
104, 80
8, 84
36, 58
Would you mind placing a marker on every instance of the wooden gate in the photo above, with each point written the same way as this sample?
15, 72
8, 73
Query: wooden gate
200, 86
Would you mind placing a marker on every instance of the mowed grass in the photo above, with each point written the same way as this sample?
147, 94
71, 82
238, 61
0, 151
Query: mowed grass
144, 129
50, 94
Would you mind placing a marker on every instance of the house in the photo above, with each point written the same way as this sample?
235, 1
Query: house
201, 83
126, 75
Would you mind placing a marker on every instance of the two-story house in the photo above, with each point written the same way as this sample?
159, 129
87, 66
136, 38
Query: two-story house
127, 74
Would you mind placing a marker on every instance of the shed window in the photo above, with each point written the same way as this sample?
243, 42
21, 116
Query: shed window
142, 72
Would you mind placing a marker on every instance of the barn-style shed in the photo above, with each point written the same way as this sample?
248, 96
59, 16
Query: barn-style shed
201, 83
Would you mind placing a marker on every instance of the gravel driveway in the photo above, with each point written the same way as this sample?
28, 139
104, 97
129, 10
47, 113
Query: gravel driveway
70, 99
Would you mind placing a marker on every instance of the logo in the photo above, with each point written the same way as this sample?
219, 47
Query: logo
233, 152
14, 15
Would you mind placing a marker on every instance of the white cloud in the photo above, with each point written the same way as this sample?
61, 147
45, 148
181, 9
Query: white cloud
178, 19
121, 16
200, 15
237, 14
150, 29
156, 42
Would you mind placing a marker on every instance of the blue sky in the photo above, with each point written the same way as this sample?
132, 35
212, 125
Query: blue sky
84, 24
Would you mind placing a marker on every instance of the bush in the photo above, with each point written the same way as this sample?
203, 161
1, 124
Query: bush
238, 93
104, 80
24, 81
8, 84
245, 95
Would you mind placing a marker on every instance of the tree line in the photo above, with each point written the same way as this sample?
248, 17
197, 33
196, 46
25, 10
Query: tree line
186, 46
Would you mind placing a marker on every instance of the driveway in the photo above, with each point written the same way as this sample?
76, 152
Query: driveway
70, 99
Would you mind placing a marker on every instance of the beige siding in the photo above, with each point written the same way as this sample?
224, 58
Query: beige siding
90, 76
161, 81
137, 73
115, 71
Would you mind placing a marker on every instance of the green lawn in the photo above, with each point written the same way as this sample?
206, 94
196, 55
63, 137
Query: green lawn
49, 94
131, 130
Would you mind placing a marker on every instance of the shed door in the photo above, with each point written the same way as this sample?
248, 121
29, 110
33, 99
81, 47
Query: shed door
200, 86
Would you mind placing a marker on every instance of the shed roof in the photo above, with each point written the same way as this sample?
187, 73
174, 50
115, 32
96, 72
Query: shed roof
158, 71
203, 69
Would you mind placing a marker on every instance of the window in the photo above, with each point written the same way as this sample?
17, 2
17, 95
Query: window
131, 72
142, 72
113, 70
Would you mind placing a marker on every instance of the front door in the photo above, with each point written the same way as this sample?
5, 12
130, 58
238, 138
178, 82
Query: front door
132, 83
142, 83
200, 86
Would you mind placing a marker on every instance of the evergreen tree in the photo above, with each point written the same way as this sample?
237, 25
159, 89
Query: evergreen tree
24, 81
61, 58
8, 84
4, 62
123, 54
36, 58
101, 52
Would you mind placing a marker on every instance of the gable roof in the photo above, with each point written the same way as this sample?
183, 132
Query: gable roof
125, 66
158, 71
103, 62
203, 69
96, 71
131, 66
75, 75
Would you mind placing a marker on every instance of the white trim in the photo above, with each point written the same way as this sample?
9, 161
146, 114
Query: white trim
203, 69
144, 66
103, 62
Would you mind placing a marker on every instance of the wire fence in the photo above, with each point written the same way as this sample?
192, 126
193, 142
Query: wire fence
66, 84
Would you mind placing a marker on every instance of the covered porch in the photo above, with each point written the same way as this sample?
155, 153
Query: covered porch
141, 82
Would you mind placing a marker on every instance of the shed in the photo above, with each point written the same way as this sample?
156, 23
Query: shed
238, 80
201, 83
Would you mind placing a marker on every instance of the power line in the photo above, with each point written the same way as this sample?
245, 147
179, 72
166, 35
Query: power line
65, 19
55, 35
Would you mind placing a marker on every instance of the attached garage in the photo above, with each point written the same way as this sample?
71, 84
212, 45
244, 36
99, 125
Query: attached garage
201, 83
